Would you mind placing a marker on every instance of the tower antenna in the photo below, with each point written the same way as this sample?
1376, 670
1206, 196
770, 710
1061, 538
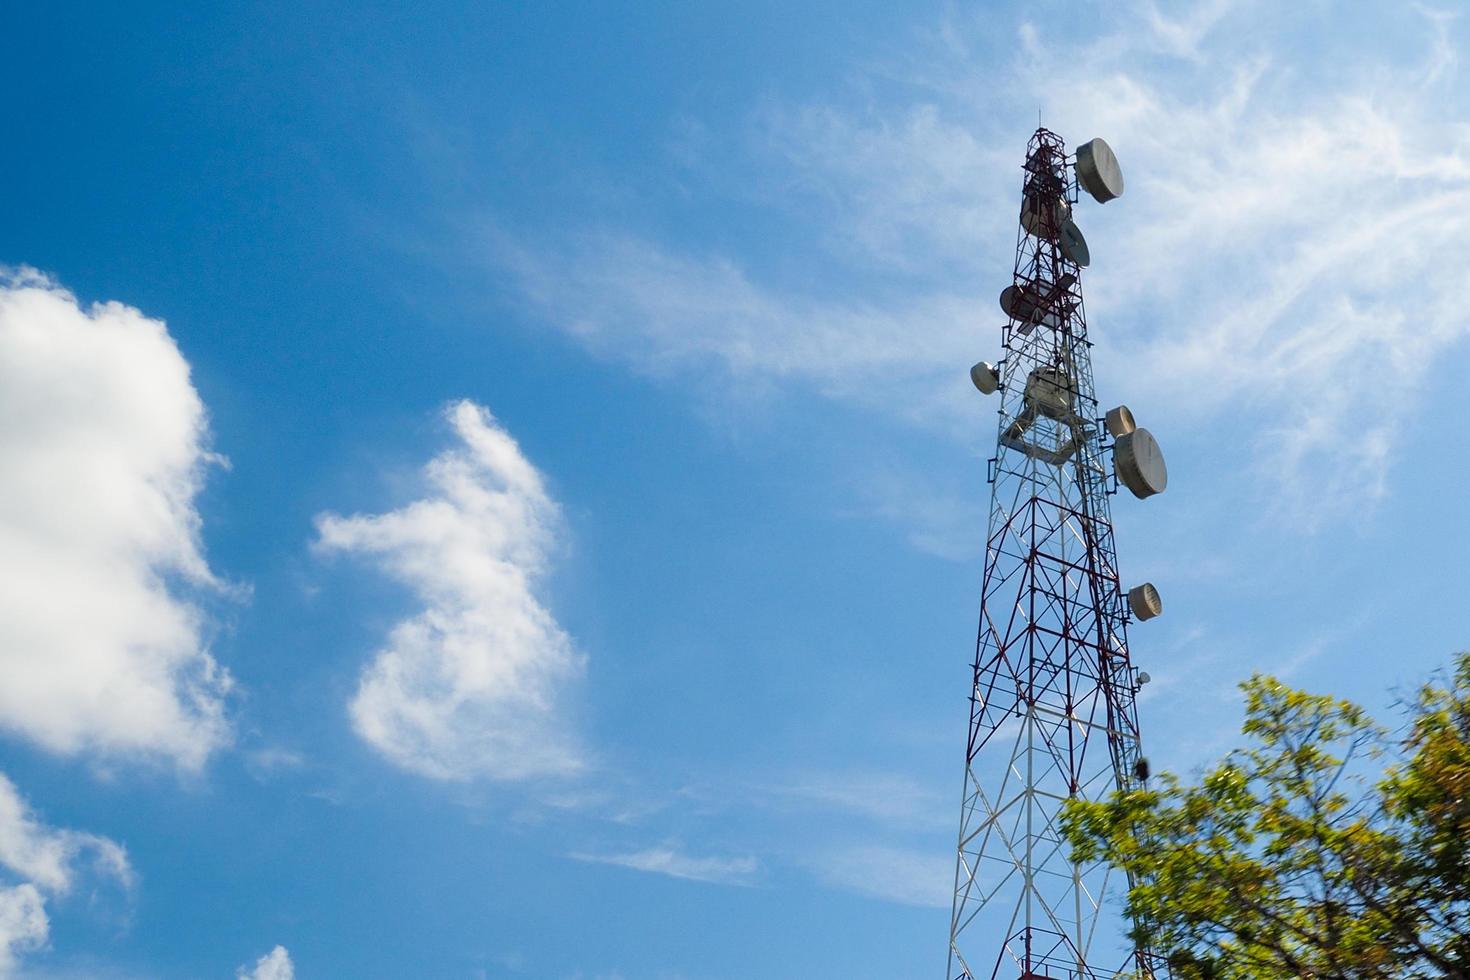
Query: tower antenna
1053, 689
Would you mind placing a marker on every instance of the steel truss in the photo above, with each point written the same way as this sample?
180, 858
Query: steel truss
1052, 703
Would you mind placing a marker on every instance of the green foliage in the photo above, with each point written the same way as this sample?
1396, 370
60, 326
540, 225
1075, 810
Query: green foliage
1326, 848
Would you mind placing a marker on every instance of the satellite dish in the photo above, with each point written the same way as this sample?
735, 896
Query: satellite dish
1145, 601
985, 377
1139, 463
1098, 171
1074, 246
1026, 304
1120, 421
1044, 216
1143, 678
1017, 303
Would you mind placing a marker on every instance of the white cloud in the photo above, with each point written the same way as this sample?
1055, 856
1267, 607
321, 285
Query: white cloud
102, 453
48, 861
24, 926
944, 521
667, 861
1181, 36
470, 685
275, 965
892, 799
1285, 265
1280, 263
670, 313
48, 857
894, 874
273, 760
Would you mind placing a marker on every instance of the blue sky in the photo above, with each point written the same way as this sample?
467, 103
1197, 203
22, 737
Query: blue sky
496, 492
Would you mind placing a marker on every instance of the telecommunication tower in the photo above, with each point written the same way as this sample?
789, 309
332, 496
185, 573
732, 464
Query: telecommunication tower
1052, 706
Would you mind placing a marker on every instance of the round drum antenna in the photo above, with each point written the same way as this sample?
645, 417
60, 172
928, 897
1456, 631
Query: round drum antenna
1098, 171
985, 377
1140, 463
1120, 421
1145, 601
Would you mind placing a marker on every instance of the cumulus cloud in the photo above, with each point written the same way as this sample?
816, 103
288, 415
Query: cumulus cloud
1280, 256
24, 926
103, 450
48, 857
48, 861
275, 965
469, 686
667, 861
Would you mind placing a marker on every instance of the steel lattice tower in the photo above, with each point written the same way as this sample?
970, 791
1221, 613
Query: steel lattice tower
1052, 711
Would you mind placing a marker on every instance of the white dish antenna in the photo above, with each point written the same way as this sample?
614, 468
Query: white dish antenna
1140, 463
985, 377
1098, 171
1120, 421
1145, 601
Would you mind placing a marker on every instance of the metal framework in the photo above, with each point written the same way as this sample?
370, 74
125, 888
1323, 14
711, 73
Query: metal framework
1052, 713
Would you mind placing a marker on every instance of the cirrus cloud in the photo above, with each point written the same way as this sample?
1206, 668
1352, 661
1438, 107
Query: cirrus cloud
1283, 265
676, 864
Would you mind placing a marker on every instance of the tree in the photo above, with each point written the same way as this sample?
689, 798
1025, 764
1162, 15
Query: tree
1326, 848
